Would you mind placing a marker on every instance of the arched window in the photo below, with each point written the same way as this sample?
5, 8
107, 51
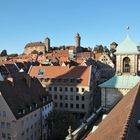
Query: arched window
126, 64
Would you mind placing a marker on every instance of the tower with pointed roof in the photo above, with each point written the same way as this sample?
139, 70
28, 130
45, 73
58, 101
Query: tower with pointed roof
77, 40
127, 57
126, 76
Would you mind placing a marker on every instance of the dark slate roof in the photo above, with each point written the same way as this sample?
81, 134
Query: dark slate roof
20, 65
12, 68
19, 95
3, 70
120, 124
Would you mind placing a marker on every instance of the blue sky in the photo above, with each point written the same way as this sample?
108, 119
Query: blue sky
97, 21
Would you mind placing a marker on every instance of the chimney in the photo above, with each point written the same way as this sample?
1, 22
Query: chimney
28, 80
11, 80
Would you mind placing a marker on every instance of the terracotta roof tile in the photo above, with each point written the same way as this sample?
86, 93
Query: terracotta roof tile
82, 72
121, 121
33, 44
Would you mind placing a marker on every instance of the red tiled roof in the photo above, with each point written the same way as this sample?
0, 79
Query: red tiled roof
33, 44
82, 72
121, 121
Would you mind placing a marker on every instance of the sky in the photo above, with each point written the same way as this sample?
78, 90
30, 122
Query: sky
97, 22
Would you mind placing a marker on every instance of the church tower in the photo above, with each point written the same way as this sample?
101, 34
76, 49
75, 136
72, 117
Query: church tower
47, 44
127, 57
77, 40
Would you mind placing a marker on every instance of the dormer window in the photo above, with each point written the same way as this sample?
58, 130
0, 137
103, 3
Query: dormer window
23, 111
30, 108
41, 72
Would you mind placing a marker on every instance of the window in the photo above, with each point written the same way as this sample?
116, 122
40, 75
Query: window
77, 98
61, 97
31, 126
55, 88
27, 130
3, 135
55, 104
9, 136
41, 72
60, 88
71, 89
126, 64
71, 105
83, 98
22, 134
8, 125
71, 97
66, 105
66, 97
77, 89
4, 114
83, 89
31, 136
66, 89
2, 124
61, 104
55, 96
77, 105
83, 106
50, 88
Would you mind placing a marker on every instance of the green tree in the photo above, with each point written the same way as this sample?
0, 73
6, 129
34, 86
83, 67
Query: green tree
34, 52
99, 48
13, 55
106, 50
58, 124
112, 50
3, 53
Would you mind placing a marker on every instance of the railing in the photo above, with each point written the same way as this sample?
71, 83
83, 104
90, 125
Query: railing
86, 126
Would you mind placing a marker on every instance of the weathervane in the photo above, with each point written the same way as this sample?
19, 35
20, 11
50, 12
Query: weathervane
127, 30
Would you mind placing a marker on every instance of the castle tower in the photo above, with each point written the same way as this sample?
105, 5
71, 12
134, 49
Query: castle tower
47, 44
77, 40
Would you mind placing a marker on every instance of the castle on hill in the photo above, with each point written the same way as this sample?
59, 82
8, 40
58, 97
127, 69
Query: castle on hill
45, 46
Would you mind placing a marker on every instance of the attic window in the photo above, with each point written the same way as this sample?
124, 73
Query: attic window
41, 72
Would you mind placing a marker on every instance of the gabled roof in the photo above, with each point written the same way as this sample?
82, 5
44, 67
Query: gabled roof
123, 81
127, 47
18, 95
34, 44
120, 124
82, 72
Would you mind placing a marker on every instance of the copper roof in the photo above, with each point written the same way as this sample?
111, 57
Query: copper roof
121, 121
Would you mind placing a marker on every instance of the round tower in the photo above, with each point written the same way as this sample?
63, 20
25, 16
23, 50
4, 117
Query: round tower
47, 44
77, 40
